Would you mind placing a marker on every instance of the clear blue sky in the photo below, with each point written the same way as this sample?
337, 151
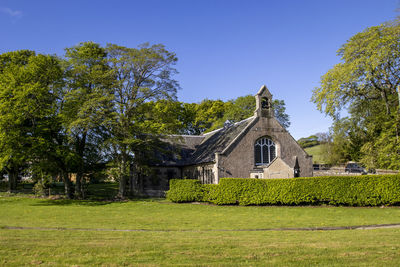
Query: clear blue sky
226, 48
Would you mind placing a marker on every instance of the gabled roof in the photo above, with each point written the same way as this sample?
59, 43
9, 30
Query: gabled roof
264, 90
197, 149
217, 141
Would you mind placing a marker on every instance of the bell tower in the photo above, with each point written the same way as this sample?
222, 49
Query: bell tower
264, 103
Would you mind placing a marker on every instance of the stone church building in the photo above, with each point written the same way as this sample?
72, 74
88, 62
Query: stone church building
257, 147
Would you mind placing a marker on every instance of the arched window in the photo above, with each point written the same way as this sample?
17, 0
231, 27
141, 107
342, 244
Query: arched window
264, 151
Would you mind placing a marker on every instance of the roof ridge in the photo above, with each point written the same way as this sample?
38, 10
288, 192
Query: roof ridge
254, 118
219, 129
185, 135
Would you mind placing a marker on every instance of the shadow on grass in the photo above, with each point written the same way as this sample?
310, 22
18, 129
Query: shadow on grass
70, 202
89, 202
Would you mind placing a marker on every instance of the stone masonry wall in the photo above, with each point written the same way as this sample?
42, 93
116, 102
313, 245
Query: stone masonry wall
239, 162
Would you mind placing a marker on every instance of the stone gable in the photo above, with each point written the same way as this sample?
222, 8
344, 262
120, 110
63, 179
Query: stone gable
258, 147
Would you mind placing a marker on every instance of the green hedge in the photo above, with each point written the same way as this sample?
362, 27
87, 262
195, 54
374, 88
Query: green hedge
370, 190
186, 190
366, 190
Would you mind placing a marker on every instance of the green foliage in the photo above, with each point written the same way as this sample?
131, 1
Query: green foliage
372, 190
210, 192
209, 115
369, 70
280, 112
40, 187
168, 117
344, 190
142, 75
366, 83
186, 190
308, 141
87, 108
29, 86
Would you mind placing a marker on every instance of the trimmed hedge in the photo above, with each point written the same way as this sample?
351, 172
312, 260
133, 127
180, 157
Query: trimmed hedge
185, 190
370, 190
366, 190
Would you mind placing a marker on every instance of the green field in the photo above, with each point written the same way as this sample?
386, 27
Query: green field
162, 233
316, 152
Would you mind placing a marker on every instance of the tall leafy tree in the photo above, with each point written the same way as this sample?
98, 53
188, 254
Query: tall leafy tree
87, 105
29, 85
143, 74
366, 82
370, 69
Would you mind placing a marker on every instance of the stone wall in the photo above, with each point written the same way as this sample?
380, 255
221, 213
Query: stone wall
340, 171
240, 162
203, 172
157, 181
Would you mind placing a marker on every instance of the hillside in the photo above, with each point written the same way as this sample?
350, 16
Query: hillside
317, 153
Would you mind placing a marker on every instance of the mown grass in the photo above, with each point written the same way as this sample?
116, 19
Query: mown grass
191, 234
99, 191
159, 214
290, 248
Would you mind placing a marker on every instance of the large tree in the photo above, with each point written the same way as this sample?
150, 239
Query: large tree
87, 106
29, 85
143, 74
370, 70
365, 83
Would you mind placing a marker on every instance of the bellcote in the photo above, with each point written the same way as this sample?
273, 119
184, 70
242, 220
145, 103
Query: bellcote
264, 103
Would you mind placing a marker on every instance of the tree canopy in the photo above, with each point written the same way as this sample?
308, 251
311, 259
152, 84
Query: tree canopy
366, 83
28, 91
142, 75
99, 109
370, 70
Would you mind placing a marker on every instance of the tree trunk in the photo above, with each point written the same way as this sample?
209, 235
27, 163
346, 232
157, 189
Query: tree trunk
122, 192
81, 144
122, 186
385, 99
67, 184
78, 185
132, 180
12, 179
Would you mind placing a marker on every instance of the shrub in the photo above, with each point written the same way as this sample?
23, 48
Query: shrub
186, 190
40, 188
366, 190
369, 190
210, 192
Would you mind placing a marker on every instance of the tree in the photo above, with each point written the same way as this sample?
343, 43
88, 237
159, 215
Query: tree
87, 106
142, 75
240, 108
210, 115
28, 90
310, 141
370, 70
366, 83
168, 117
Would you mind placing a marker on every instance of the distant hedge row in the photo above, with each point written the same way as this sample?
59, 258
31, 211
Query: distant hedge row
366, 190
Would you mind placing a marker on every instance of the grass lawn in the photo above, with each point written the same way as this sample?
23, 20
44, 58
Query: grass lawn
191, 234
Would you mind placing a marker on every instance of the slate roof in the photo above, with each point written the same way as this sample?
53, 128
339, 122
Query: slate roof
197, 149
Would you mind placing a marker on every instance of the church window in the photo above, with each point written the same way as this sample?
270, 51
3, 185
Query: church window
264, 151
